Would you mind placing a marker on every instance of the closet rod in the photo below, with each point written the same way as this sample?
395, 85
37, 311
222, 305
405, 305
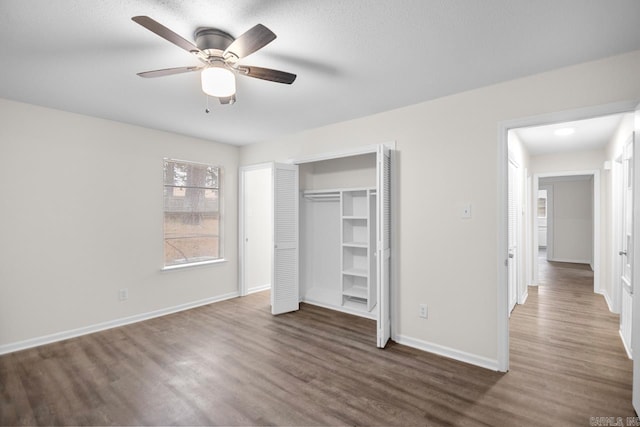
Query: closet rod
321, 195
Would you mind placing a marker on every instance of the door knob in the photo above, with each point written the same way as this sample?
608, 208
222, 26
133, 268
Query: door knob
622, 253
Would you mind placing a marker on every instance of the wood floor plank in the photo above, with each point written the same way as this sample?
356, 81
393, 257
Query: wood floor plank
233, 363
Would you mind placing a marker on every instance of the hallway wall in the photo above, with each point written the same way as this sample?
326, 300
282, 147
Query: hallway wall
571, 219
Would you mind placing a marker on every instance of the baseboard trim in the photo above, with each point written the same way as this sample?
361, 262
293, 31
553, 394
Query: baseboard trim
572, 261
523, 298
451, 353
258, 288
72, 333
624, 344
605, 294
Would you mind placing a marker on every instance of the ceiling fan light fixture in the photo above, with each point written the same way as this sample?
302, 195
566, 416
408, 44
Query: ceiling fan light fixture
218, 81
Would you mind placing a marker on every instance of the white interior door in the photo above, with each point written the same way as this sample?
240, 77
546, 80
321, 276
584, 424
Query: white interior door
513, 235
284, 282
383, 253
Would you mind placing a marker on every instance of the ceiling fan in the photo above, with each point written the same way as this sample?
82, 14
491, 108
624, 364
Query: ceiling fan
219, 52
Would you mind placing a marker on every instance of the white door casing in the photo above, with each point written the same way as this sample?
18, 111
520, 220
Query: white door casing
626, 249
513, 206
284, 282
616, 230
529, 211
635, 260
546, 225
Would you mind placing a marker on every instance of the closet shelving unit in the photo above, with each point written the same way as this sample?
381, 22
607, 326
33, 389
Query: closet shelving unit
357, 280
358, 248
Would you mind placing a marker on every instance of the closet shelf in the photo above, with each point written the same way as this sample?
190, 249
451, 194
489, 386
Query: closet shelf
360, 272
355, 217
356, 245
356, 291
355, 303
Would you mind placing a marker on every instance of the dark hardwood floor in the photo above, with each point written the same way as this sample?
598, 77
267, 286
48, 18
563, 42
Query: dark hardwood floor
232, 363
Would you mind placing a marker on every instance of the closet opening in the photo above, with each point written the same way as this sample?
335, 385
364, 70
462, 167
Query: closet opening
330, 233
338, 234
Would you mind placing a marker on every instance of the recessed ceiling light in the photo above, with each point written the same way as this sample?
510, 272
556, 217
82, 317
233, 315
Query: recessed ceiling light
564, 131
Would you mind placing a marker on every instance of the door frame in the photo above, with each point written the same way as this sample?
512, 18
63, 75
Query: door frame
635, 312
516, 262
242, 285
597, 225
502, 204
616, 228
535, 225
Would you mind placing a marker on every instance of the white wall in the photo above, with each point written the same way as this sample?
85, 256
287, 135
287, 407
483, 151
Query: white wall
447, 154
570, 161
353, 172
572, 219
624, 131
82, 217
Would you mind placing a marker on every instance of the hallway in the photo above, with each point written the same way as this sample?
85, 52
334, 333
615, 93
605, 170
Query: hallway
564, 340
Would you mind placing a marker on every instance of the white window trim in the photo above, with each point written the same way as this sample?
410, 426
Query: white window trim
193, 264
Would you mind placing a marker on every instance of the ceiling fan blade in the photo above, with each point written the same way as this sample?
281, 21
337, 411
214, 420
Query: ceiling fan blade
268, 74
167, 34
169, 71
254, 39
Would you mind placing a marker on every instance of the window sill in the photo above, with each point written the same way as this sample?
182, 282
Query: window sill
193, 264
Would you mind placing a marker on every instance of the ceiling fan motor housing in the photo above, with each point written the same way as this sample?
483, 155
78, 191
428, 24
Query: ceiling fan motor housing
212, 41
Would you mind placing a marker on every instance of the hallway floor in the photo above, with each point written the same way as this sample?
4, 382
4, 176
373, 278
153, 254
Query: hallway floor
565, 340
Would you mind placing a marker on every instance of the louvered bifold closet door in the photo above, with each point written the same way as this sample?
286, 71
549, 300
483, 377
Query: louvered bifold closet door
383, 201
285, 288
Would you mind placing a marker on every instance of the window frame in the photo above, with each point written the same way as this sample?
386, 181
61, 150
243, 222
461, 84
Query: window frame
221, 253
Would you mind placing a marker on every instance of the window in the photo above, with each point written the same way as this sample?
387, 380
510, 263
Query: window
191, 213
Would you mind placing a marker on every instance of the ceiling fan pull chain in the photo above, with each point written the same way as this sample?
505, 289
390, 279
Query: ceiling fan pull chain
207, 110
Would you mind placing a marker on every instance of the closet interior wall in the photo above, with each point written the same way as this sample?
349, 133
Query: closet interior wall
326, 220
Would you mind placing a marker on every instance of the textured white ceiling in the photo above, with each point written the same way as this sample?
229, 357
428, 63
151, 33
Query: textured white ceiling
590, 134
352, 57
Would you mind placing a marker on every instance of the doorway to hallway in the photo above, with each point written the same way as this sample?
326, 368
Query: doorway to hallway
561, 152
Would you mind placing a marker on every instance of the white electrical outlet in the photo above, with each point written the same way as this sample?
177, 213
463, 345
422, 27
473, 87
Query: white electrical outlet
423, 311
123, 294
